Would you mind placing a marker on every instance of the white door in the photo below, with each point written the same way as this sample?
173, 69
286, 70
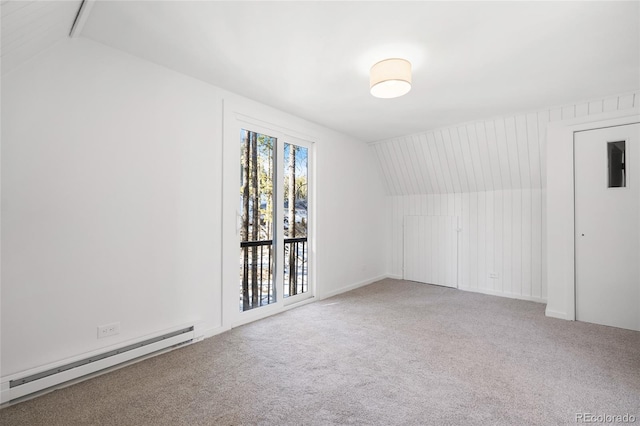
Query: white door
607, 195
430, 247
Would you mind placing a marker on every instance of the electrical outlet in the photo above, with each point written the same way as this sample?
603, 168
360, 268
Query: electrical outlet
493, 275
108, 330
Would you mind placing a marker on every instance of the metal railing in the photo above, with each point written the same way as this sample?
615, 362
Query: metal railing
256, 271
295, 266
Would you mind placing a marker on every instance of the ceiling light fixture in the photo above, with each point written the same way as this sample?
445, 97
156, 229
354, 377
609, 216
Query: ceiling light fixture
390, 78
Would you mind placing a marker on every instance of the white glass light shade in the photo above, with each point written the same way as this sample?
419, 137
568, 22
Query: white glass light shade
390, 78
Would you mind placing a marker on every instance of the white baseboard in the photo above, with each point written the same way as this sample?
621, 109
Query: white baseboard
394, 277
210, 332
557, 314
503, 294
352, 286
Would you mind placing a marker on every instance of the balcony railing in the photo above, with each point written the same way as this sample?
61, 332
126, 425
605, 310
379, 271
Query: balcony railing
256, 271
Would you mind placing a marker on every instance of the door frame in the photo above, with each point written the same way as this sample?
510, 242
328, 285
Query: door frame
311, 289
560, 208
235, 117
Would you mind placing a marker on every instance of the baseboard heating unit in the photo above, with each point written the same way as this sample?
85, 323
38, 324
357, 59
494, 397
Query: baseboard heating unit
15, 388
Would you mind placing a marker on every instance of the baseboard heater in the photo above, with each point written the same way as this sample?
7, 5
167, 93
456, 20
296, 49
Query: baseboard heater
55, 376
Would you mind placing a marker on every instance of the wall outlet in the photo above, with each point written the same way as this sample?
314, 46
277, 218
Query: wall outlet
493, 275
108, 330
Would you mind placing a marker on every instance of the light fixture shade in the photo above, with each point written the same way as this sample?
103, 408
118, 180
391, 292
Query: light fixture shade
390, 78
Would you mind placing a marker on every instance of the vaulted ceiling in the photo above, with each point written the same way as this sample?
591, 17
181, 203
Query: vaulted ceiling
471, 60
29, 27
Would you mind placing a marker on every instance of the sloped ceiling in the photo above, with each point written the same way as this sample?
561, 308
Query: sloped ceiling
503, 153
29, 27
472, 60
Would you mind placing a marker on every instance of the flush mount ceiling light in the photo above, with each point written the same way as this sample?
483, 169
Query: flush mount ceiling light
390, 78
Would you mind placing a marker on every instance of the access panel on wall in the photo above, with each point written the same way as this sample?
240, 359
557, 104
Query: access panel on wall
430, 249
607, 221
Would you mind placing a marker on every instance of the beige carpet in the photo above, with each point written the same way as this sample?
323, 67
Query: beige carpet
393, 352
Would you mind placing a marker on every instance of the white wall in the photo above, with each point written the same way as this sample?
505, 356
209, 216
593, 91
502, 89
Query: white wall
492, 174
111, 204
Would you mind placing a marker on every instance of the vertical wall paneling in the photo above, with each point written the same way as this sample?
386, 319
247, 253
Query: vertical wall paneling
393, 180
533, 146
568, 112
516, 239
582, 110
494, 155
444, 162
625, 101
475, 157
437, 164
482, 240
457, 155
543, 121
466, 245
451, 204
408, 163
523, 151
382, 168
423, 187
483, 147
489, 237
408, 159
457, 202
466, 159
610, 104
503, 153
536, 243
424, 145
430, 249
525, 243
451, 160
492, 176
399, 160
417, 165
514, 152
498, 207
507, 232
381, 151
473, 240
556, 114
595, 107
393, 167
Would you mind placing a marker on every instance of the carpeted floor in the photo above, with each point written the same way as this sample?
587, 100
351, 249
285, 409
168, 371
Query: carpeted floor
391, 353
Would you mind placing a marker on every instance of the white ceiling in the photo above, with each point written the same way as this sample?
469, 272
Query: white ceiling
472, 60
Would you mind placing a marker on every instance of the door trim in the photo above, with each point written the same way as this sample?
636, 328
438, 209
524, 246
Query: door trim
560, 210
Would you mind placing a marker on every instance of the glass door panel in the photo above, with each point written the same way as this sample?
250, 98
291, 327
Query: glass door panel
296, 208
256, 220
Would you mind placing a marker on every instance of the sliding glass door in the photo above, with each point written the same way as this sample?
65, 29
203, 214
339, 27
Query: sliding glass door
273, 222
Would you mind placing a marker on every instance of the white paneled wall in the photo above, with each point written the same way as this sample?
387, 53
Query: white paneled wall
491, 174
430, 249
